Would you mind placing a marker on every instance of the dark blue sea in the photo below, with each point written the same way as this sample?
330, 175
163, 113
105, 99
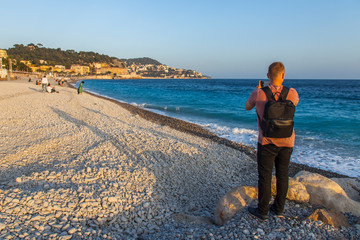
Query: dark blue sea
327, 118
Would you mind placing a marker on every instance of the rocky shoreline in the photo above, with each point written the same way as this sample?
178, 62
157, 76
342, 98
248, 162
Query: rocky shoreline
84, 167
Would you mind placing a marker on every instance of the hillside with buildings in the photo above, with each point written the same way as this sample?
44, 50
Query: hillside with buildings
38, 59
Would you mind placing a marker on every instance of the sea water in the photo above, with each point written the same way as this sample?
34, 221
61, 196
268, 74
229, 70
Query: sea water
327, 118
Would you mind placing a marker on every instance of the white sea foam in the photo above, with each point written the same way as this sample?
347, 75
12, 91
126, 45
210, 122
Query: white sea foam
328, 161
240, 135
306, 154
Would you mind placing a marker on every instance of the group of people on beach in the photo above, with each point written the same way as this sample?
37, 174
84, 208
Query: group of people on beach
45, 85
60, 82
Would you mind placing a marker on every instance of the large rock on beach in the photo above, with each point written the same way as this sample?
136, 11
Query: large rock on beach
351, 186
297, 191
326, 192
331, 217
232, 202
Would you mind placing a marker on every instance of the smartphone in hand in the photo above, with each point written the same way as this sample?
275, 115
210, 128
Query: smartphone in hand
263, 84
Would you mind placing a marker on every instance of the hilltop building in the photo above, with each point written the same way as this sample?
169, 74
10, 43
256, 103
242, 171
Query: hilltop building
31, 47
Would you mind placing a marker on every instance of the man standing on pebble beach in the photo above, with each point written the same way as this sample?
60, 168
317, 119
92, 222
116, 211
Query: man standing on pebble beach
44, 83
272, 150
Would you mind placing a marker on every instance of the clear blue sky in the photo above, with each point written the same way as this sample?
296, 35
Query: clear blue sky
230, 38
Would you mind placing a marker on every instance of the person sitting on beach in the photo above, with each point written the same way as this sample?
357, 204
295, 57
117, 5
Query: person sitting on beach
50, 89
275, 149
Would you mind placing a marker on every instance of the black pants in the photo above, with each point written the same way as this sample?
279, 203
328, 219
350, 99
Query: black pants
267, 155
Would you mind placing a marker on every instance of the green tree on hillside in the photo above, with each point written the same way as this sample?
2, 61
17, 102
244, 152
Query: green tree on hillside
22, 67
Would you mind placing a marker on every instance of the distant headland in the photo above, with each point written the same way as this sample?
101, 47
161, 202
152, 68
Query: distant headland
35, 58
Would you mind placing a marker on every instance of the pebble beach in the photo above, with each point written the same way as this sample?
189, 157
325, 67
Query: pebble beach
86, 167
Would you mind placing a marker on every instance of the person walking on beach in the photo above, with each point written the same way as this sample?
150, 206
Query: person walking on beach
275, 144
44, 83
80, 89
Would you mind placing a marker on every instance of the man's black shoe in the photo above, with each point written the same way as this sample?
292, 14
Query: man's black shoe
273, 211
256, 213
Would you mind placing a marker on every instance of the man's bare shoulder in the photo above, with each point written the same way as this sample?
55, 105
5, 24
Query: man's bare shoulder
293, 96
293, 91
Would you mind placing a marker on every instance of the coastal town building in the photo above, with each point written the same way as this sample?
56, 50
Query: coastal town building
42, 68
162, 71
104, 68
26, 62
112, 70
59, 68
33, 68
100, 65
3, 53
45, 68
80, 69
3, 73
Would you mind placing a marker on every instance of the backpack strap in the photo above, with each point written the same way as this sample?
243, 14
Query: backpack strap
284, 93
268, 93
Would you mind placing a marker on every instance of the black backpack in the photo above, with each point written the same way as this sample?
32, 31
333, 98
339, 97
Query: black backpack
278, 116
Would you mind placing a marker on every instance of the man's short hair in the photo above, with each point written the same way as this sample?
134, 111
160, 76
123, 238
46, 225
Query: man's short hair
275, 69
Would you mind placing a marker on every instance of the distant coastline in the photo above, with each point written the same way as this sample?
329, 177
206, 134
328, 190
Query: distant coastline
69, 63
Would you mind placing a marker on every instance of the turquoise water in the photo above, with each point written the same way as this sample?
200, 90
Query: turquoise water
327, 119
